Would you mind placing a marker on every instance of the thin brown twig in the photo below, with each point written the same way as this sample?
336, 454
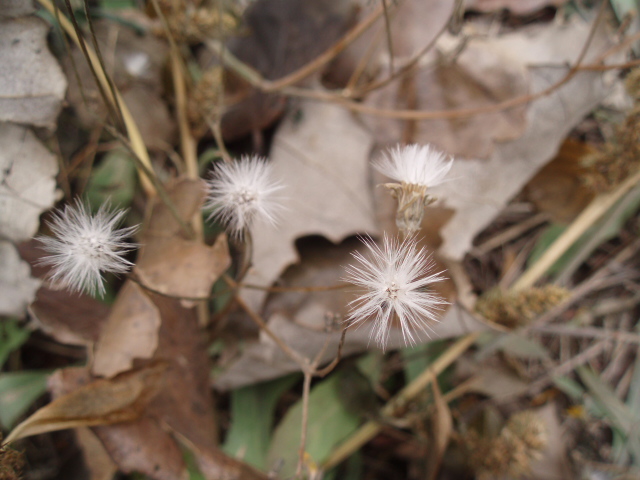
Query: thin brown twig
387, 27
159, 187
303, 289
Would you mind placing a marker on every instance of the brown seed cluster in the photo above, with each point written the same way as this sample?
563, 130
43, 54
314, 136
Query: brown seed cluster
512, 451
517, 309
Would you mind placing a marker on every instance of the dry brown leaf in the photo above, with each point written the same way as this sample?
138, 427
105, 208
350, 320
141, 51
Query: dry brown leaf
98, 461
100, 402
183, 268
320, 153
171, 264
558, 189
280, 37
481, 75
144, 447
33, 92
300, 318
187, 196
130, 332
479, 189
27, 186
70, 318
184, 408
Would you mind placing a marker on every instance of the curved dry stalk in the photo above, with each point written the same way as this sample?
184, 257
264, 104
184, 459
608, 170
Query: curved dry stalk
594, 211
133, 132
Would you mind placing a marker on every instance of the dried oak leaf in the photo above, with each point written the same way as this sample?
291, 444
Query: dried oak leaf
320, 153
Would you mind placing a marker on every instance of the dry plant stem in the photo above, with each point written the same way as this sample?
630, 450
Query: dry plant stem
133, 131
320, 288
93, 67
159, 188
94, 39
371, 428
510, 234
341, 98
567, 367
598, 207
387, 28
375, 85
306, 389
589, 332
293, 355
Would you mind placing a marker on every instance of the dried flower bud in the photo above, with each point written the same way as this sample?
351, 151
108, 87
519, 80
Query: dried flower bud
417, 168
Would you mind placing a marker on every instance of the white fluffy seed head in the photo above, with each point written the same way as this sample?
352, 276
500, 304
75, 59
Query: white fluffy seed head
242, 192
395, 280
415, 165
84, 246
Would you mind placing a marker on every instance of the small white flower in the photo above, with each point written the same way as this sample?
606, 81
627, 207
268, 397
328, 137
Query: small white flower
417, 168
83, 246
395, 278
241, 192
415, 165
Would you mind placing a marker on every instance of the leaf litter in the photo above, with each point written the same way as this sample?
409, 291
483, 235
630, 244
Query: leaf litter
149, 350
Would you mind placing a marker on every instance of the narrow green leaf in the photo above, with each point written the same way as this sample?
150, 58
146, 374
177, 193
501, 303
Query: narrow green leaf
619, 415
12, 336
18, 390
329, 423
114, 181
252, 415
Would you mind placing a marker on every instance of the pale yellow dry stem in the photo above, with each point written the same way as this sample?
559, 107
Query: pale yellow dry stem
133, 132
372, 428
596, 209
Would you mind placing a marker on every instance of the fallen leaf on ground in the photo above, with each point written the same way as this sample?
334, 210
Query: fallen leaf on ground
279, 38
98, 461
27, 186
69, 318
320, 153
100, 402
130, 332
558, 188
33, 92
479, 189
182, 268
17, 286
300, 319
171, 264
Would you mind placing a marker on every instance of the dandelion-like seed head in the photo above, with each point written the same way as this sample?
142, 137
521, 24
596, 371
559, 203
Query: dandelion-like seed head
242, 192
83, 246
416, 167
395, 278
420, 165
